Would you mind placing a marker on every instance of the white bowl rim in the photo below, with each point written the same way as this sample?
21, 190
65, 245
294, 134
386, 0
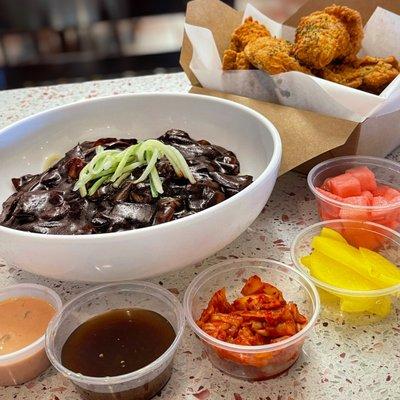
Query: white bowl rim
334, 289
236, 348
381, 162
130, 376
273, 163
40, 342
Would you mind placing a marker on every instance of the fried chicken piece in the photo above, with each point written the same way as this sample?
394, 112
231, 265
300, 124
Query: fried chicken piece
273, 55
235, 61
249, 31
344, 74
371, 74
353, 21
377, 73
325, 36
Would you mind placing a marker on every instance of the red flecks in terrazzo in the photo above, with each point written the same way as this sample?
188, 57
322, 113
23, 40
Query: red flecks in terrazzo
203, 395
284, 218
60, 389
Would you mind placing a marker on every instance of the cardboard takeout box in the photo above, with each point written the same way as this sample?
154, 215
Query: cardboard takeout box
307, 137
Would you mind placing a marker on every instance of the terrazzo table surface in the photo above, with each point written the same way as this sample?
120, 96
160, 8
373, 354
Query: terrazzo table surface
339, 361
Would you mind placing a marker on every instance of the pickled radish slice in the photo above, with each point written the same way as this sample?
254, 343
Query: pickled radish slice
343, 266
380, 267
331, 233
375, 305
334, 273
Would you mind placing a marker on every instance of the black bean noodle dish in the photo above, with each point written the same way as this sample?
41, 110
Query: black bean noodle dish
112, 185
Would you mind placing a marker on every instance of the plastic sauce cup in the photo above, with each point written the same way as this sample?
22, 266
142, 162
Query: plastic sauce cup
387, 173
252, 362
141, 384
358, 305
29, 362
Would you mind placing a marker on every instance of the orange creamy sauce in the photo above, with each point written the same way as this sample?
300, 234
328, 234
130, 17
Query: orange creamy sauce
23, 320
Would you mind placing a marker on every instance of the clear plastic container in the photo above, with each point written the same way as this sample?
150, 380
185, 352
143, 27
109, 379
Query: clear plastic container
141, 384
355, 304
29, 362
252, 362
387, 172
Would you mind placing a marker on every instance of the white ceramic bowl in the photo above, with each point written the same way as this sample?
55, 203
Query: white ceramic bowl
153, 250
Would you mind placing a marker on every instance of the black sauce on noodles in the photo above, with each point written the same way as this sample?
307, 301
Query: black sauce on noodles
46, 203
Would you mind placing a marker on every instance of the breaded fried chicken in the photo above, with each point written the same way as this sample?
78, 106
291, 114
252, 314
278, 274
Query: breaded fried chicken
327, 43
325, 36
234, 60
273, 56
352, 19
344, 74
371, 74
247, 32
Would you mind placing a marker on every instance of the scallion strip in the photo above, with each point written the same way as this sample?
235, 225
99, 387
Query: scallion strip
150, 165
96, 185
118, 182
117, 165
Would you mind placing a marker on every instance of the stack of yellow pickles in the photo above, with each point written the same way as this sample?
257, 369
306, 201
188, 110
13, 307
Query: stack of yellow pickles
339, 264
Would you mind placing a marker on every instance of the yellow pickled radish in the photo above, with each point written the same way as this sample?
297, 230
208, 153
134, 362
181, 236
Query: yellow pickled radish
376, 305
334, 273
380, 267
381, 306
356, 304
331, 233
339, 264
347, 255
306, 261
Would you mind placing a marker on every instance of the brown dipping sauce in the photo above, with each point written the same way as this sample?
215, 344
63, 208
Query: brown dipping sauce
23, 320
116, 343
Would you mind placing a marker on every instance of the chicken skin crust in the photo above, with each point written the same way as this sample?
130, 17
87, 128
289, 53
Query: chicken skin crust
235, 61
273, 55
249, 31
370, 74
325, 36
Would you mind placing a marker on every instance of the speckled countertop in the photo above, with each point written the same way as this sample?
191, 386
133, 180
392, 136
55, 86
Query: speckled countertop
339, 361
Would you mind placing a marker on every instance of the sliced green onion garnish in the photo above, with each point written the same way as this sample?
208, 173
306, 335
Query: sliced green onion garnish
96, 185
118, 182
151, 163
153, 190
155, 179
124, 159
117, 165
